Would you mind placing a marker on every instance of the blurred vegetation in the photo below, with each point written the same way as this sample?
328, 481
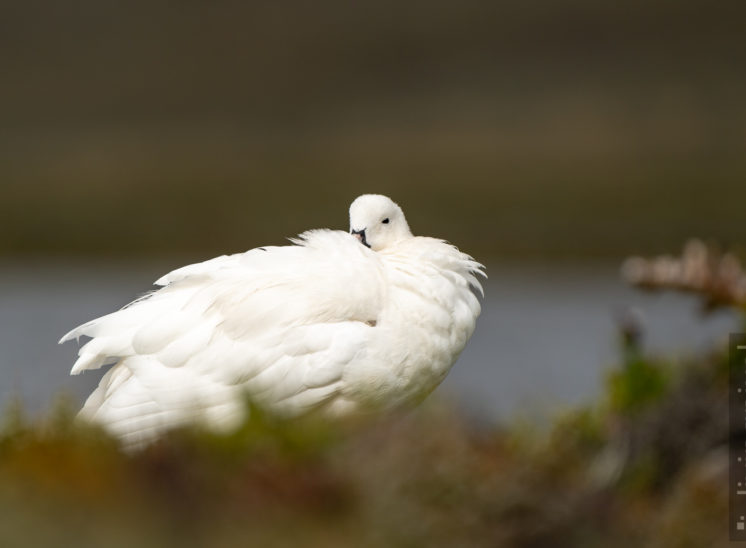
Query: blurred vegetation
572, 128
645, 466
649, 473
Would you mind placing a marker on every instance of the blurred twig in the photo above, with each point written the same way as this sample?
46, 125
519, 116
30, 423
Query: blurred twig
717, 277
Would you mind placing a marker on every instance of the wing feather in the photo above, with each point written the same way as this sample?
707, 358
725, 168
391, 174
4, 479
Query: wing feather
278, 323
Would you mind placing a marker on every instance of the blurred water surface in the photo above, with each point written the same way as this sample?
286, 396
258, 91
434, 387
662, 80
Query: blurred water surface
545, 338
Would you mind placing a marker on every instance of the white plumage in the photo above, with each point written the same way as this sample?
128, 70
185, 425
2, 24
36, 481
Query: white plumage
326, 324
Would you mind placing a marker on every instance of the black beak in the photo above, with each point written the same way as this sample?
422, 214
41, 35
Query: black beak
360, 235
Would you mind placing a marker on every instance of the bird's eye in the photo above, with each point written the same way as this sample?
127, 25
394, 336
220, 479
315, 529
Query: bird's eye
385, 221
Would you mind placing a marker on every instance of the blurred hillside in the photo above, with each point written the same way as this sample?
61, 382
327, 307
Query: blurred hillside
528, 128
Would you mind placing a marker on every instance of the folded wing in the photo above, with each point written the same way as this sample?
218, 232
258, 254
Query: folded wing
277, 324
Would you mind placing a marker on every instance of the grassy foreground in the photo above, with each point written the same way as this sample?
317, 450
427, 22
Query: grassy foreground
645, 466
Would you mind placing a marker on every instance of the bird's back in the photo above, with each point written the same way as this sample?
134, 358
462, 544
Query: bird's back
277, 324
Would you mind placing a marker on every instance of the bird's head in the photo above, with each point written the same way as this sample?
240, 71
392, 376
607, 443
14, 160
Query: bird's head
377, 221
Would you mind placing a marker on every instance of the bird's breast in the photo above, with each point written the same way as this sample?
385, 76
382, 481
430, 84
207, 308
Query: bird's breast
423, 327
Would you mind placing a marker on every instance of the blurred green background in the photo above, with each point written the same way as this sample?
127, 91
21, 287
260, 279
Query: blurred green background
135, 135
553, 129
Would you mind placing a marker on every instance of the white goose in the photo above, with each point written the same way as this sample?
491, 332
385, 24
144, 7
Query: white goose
327, 324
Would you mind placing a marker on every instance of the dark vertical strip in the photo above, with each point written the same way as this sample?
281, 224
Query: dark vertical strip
737, 437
